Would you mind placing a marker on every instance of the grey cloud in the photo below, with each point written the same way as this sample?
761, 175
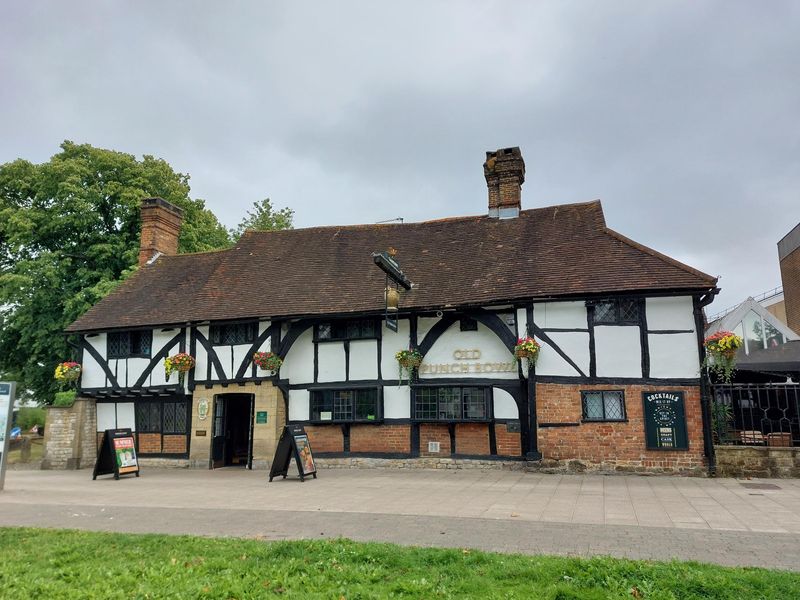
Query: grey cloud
681, 116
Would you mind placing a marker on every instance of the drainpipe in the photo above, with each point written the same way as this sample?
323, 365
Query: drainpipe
705, 395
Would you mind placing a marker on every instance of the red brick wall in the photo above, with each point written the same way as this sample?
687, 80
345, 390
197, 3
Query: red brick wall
790, 277
620, 443
325, 438
380, 438
174, 444
508, 444
434, 433
149, 443
472, 438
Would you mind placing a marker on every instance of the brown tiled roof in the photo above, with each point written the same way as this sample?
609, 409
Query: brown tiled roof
558, 251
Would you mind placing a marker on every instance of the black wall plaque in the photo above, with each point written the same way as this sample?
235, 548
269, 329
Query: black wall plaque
665, 421
117, 454
293, 442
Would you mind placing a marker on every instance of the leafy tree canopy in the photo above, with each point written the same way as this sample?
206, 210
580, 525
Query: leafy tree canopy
264, 217
69, 233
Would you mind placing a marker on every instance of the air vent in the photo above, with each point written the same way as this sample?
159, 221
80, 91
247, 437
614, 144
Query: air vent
433, 447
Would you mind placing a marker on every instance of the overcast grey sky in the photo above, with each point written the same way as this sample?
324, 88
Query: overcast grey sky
682, 117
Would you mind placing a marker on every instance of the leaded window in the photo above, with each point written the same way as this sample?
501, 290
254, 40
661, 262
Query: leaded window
621, 311
603, 405
353, 329
233, 334
345, 405
451, 404
129, 344
160, 416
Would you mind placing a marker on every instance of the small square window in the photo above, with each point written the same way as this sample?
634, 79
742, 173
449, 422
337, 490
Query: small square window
616, 312
603, 405
468, 324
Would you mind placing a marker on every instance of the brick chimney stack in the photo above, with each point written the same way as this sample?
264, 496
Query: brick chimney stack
789, 255
161, 226
504, 170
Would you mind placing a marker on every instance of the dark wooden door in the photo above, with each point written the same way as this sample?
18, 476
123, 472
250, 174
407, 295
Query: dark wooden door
218, 441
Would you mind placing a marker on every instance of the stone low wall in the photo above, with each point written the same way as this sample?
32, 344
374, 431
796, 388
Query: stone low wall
757, 461
69, 436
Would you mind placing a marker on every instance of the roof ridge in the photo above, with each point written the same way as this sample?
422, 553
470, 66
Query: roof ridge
659, 255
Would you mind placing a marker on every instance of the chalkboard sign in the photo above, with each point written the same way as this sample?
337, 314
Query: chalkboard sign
665, 421
117, 454
293, 442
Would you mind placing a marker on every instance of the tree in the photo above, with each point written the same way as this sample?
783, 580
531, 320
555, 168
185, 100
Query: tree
69, 234
264, 218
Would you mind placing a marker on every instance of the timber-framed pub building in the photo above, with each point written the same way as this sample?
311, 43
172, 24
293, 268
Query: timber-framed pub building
616, 385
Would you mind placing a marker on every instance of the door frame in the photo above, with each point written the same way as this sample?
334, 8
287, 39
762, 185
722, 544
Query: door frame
221, 401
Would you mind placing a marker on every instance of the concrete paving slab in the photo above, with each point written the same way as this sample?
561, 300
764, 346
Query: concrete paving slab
639, 517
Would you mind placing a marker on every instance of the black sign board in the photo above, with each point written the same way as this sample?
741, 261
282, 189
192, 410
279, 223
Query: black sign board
294, 441
392, 269
117, 454
665, 421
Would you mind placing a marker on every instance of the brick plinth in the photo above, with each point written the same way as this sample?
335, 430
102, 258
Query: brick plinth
613, 445
429, 432
472, 438
508, 444
325, 438
392, 439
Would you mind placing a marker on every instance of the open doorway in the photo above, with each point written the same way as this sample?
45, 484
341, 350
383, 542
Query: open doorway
232, 444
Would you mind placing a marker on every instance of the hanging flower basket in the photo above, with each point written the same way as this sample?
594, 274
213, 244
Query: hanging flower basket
180, 363
268, 361
67, 372
408, 361
721, 350
527, 347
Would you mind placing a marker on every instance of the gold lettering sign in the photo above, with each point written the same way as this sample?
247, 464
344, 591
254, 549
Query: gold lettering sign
461, 367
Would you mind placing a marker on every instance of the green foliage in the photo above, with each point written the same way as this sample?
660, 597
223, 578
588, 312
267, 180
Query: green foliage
264, 218
27, 417
69, 234
65, 398
40, 563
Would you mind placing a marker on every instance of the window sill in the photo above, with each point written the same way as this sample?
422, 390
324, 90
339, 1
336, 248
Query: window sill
589, 421
148, 356
448, 421
332, 422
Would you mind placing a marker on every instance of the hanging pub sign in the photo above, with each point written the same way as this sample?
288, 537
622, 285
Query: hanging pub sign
117, 454
293, 442
665, 421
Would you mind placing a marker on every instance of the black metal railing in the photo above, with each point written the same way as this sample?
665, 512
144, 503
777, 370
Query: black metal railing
756, 414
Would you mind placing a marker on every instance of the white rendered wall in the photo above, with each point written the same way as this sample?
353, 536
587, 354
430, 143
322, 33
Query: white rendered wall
396, 402
201, 358
492, 352
299, 364
363, 359
137, 366
106, 416
126, 417
93, 375
670, 313
331, 361
299, 405
573, 344
504, 405
562, 315
618, 351
674, 356
424, 325
522, 322
392, 343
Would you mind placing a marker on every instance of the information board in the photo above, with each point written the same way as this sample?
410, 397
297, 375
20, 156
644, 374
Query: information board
293, 443
7, 389
117, 454
665, 421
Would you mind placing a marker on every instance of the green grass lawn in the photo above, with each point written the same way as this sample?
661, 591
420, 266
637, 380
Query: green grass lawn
51, 564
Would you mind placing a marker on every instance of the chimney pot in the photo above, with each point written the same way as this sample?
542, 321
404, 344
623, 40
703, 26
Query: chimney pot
161, 227
504, 171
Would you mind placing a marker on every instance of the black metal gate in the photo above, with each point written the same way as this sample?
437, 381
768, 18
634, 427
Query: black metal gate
762, 414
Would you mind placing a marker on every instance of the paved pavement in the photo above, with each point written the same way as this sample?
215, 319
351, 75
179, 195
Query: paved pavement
725, 521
